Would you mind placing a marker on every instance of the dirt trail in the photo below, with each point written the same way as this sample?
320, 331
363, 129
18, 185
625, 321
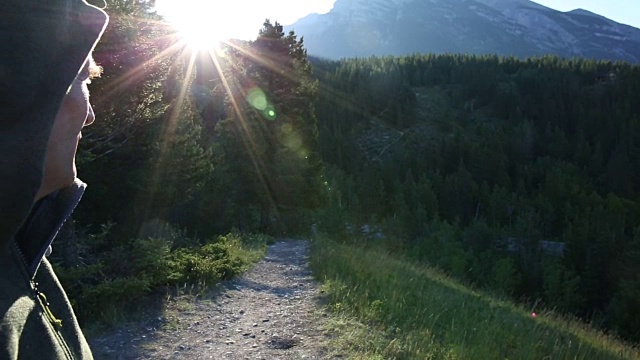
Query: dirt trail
271, 312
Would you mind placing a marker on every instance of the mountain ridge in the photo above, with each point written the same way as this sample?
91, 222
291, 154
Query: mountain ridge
521, 28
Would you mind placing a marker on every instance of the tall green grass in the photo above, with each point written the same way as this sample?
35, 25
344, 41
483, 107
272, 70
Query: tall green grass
388, 308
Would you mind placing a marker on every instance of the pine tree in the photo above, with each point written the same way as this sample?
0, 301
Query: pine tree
270, 134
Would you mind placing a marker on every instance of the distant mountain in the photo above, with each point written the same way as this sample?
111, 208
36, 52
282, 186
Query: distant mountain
506, 27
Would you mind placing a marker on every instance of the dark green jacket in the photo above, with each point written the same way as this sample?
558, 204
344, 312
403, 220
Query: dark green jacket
43, 45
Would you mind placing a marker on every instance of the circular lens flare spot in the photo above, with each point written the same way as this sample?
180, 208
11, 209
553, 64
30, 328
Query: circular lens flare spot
303, 153
270, 112
257, 99
292, 141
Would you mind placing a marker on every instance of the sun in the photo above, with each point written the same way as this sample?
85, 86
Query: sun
202, 24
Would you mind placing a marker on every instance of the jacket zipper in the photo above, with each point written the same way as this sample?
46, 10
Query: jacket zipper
42, 298
44, 304
57, 323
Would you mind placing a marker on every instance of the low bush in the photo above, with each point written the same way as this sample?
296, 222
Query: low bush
118, 278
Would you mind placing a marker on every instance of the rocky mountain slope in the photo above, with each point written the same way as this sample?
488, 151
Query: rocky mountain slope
506, 27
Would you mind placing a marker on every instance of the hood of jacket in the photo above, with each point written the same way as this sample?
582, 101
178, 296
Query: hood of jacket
43, 45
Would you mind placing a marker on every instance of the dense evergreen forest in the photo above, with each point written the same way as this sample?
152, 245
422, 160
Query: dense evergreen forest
518, 176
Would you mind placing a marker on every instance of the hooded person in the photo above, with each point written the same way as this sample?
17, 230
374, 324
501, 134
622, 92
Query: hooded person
45, 59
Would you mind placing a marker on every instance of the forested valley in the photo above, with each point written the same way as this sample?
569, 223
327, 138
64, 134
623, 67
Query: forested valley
521, 177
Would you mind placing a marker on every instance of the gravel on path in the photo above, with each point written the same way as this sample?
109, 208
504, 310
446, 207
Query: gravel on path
271, 312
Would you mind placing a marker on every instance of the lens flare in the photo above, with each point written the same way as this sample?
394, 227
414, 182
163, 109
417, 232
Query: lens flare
257, 99
270, 113
303, 153
292, 141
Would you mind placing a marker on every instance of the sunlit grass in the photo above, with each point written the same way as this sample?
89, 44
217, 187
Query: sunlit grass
386, 308
249, 249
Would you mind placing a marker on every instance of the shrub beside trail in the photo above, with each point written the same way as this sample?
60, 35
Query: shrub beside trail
121, 277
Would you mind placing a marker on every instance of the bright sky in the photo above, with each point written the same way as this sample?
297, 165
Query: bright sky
622, 11
240, 18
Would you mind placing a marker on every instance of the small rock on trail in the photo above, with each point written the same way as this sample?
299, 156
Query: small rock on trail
271, 312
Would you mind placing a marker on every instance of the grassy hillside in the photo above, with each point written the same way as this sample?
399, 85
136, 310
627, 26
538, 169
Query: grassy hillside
387, 308
484, 165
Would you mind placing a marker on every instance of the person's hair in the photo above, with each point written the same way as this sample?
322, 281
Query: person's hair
95, 70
